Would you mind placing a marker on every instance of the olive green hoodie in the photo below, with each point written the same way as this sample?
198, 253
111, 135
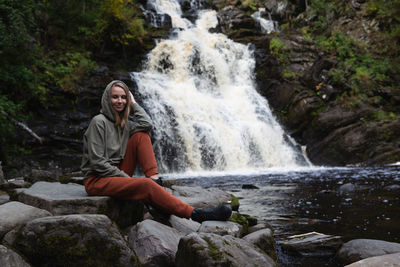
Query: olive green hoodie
104, 143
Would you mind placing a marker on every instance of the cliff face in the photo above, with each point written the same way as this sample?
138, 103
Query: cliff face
327, 84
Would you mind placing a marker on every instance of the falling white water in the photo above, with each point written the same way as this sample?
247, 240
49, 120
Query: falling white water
198, 88
267, 25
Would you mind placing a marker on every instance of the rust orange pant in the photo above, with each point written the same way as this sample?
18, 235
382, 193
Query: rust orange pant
139, 150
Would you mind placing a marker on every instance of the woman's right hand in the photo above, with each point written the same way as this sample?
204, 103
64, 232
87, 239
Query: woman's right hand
132, 98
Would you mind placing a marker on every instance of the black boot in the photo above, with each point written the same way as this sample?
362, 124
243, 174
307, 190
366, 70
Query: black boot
221, 213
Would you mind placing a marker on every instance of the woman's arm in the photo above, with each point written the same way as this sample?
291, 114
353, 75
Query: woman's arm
139, 121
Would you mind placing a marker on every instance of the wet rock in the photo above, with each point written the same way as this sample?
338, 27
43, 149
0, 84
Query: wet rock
221, 228
235, 23
204, 249
392, 260
359, 249
62, 199
183, 225
9, 258
347, 188
312, 244
249, 186
14, 214
257, 227
263, 239
200, 197
155, 244
74, 240
394, 187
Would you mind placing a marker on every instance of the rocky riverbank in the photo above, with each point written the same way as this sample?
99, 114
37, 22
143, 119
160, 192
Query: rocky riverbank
49, 223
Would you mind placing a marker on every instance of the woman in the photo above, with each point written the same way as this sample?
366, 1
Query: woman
115, 141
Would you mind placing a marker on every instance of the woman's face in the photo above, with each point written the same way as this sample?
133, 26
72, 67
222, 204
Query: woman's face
118, 98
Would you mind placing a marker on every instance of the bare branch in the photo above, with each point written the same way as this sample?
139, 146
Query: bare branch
23, 126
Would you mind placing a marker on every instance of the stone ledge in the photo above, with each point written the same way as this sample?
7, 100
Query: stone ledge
64, 199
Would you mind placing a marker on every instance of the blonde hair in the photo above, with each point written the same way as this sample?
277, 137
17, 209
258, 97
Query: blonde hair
121, 118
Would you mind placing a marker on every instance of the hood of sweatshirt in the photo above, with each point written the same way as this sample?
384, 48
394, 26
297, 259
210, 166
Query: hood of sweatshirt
106, 107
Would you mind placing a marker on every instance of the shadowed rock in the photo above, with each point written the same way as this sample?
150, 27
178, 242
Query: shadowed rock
74, 240
9, 258
263, 239
203, 250
155, 243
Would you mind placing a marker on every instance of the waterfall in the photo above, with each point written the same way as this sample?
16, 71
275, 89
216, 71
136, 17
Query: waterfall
266, 25
199, 89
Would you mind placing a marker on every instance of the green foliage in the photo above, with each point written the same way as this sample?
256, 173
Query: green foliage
356, 63
279, 48
52, 43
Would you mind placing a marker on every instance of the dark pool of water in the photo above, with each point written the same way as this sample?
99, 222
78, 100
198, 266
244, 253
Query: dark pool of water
354, 202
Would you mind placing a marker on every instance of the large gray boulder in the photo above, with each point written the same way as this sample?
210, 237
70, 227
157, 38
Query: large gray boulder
183, 225
359, 249
200, 197
9, 258
63, 199
205, 249
155, 243
221, 228
74, 240
14, 214
388, 260
264, 240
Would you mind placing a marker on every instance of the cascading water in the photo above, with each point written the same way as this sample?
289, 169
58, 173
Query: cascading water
198, 87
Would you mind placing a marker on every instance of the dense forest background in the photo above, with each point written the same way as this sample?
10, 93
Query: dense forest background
53, 44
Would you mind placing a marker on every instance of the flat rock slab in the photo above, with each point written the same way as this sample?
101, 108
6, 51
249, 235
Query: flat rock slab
389, 260
359, 249
63, 199
14, 214
312, 244
200, 197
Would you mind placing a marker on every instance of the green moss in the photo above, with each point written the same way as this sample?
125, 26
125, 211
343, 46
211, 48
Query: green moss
242, 220
288, 74
278, 48
235, 203
214, 251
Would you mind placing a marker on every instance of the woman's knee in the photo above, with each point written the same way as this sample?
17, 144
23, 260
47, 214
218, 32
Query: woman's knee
140, 136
